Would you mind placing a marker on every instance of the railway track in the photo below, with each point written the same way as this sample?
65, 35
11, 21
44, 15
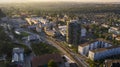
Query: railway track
71, 55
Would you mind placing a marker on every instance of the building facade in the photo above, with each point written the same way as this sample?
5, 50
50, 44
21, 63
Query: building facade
99, 43
17, 57
73, 32
112, 63
102, 53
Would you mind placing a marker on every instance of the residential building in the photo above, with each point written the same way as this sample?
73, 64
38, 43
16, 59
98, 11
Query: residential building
34, 37
117, 38
42, 61
38, 29
3, 57
19, 23
4, 19
114, 30
18, 57
63, 30
98, 43
102, 53
112, 63
35, 20
50, 32
73, 32
105, 25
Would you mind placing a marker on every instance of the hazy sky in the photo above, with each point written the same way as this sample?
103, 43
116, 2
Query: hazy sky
1, 1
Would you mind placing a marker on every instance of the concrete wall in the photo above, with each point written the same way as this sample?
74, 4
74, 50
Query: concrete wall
98, 44
103, 54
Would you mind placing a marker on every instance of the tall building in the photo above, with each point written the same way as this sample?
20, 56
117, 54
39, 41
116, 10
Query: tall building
73, 32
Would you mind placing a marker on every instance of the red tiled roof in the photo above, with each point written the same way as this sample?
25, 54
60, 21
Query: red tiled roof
44, 59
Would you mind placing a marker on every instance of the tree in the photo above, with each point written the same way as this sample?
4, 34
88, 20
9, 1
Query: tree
51, 63
2, 14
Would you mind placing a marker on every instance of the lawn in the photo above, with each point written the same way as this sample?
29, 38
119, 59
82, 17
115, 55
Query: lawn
43, 48
24, 34
2, 64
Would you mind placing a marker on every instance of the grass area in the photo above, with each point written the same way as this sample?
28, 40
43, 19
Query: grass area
73, 48
26, 49
95, 63
19, 36
24, 34
6, 47
43, 48
2, 64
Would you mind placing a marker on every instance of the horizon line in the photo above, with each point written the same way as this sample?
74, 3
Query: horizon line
57, 2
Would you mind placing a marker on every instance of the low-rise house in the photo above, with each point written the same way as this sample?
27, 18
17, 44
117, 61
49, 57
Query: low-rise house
50, 32
42, 61
63, 30
114, 30
38, 29
17, 22
34, 37
32, 27
3, 57
102, 53
4, 19
105, 25
117, 38
35, 20
18, 57
112, 63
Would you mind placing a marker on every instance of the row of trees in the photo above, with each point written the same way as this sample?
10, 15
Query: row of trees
50, 9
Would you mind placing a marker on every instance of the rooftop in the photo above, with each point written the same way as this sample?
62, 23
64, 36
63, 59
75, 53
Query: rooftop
104, 49
44, 59
109, 62
99, 39
18, 50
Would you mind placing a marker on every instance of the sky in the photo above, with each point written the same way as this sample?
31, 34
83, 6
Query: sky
4, 1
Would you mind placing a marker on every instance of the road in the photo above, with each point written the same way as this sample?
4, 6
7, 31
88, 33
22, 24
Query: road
75, 58
67, 52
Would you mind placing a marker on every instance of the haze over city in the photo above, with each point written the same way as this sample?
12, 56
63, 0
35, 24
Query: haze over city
18, 1
59, 33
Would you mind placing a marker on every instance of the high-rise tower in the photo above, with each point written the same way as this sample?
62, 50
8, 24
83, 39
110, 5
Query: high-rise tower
73, 32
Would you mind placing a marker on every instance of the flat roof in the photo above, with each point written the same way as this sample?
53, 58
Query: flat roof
99, 39
85, 44
103, 49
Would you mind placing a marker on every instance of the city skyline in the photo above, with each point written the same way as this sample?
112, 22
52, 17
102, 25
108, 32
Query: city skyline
9, 1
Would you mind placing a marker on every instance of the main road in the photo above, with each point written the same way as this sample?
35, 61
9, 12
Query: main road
74, 57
